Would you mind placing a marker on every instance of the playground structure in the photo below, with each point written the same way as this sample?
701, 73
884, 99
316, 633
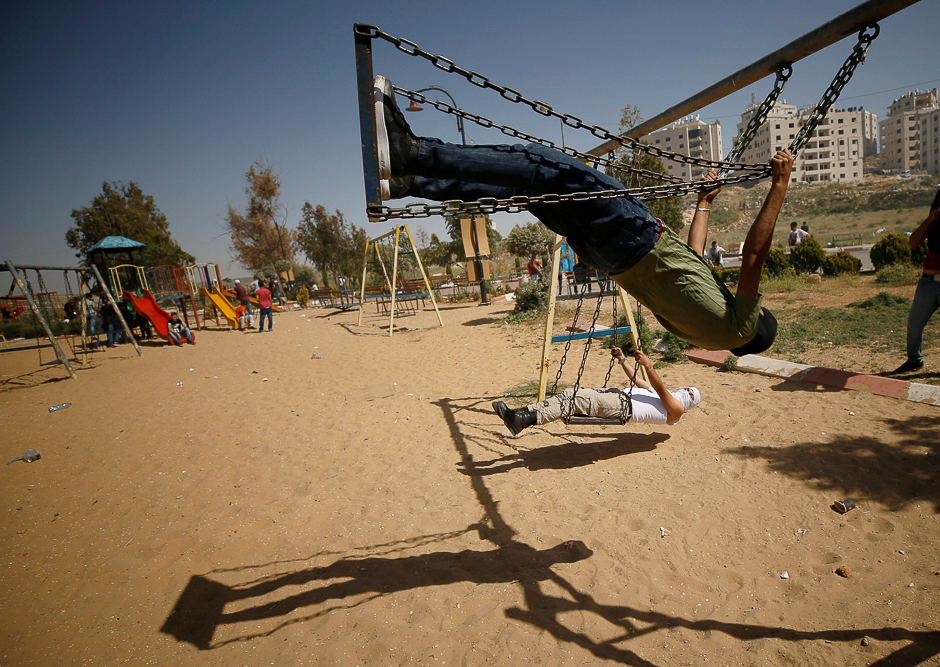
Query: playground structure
862, 20
381, 254
47, 307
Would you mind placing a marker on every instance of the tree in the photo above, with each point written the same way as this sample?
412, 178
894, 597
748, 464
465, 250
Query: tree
626, 160
533, 238
124, 210
257, 240
807, 255
333, 245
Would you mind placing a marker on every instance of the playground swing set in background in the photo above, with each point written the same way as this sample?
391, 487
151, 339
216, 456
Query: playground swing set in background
862, 20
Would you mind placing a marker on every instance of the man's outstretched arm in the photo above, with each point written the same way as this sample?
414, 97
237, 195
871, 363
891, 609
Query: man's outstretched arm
759, 237
698, 230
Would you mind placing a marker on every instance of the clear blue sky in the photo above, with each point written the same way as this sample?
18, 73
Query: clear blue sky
183, 97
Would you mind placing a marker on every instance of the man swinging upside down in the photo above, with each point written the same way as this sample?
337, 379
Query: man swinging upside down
647, 403
617, 235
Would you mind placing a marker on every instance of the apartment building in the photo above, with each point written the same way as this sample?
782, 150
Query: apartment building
930, 140
834, 152
902, 146
690, 136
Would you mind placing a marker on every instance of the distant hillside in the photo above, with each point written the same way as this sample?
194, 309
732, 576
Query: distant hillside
877, 206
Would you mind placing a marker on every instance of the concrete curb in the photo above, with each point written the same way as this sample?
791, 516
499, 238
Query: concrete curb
827, 377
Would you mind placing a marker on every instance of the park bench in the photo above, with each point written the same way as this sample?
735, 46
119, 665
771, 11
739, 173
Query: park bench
841, 240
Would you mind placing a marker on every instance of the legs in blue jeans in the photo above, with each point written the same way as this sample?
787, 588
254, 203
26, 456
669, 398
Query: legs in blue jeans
926, 302
266, 312
611, 234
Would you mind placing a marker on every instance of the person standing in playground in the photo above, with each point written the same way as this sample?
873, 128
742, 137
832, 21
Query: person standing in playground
111, 322
616, 235
927, 295
647, 403
91, 318
176, 330
242, 294
263, 294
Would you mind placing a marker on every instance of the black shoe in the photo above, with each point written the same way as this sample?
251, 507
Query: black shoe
397, 188
398, 146
908, 366
515, 420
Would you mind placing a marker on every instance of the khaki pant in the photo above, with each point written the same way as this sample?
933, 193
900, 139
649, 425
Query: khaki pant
589, 402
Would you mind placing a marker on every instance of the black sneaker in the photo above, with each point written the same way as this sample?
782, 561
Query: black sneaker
398, 146
907, 367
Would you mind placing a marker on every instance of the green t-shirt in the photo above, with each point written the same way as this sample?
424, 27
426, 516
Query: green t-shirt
688, 299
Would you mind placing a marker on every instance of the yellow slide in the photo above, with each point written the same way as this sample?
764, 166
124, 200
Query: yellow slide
222, 305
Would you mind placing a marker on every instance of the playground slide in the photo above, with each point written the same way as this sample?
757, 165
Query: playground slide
231, 295
148, 307
222, 305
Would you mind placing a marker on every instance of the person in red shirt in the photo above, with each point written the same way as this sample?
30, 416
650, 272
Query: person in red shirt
263, 294
242, 294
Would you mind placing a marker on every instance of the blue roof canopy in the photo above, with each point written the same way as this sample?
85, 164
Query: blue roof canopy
116, 243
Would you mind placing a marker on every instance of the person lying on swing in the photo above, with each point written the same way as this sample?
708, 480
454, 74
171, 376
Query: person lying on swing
646, 403
618, 235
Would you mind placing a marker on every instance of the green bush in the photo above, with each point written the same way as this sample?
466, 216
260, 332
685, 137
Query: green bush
531, 295
302, 296
891, 249
882, 300
919, 254
777, 261
675, 347
840, 263
807, 256
898, 275
625, 341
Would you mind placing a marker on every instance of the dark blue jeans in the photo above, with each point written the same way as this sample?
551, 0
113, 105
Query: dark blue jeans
926, 301
266, 312
610, 234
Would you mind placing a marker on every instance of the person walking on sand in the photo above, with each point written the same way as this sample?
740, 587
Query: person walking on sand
647, 403
263, 294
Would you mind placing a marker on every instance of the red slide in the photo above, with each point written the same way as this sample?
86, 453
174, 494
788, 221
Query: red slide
148, 307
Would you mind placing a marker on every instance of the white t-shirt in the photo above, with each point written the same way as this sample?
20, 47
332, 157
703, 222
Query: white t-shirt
648, 407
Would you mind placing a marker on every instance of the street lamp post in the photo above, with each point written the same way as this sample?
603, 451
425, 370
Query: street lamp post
478, 260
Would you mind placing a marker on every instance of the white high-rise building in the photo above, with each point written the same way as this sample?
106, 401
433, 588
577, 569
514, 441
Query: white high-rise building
689, 136
902, 147
835, 151
930, 140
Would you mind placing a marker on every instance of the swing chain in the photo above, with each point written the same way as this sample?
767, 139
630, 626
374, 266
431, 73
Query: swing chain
758, 118
856, 58
517, 204
566, 414
541, 108
564, 356
510, 131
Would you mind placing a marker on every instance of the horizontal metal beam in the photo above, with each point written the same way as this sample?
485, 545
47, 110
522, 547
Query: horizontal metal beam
48, 268
835, 30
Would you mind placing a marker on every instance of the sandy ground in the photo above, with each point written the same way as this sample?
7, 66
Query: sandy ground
242, 502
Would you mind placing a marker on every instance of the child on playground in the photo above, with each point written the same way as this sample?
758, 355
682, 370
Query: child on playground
175, 329
244, 316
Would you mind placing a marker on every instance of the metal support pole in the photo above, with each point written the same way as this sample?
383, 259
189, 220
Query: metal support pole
42, 320
117, 310
550, 318
835, 30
